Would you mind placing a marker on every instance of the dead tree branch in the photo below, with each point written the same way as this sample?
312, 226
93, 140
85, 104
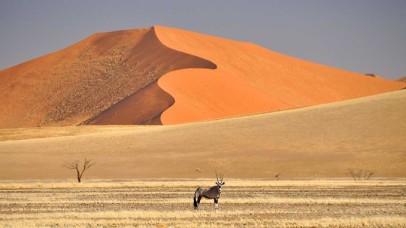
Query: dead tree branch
75, 165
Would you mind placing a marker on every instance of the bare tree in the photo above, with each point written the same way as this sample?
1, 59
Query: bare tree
360, 174
76, 166
356, 174
368, 174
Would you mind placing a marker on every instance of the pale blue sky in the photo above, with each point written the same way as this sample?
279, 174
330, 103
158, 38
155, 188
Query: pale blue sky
365, 36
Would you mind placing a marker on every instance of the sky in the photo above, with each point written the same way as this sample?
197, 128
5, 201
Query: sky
364, 36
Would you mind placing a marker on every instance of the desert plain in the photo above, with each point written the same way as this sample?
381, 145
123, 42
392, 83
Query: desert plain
159, 110
163, 203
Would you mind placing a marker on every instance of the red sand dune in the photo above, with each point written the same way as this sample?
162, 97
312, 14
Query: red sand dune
251, 79
116, 78
107, 78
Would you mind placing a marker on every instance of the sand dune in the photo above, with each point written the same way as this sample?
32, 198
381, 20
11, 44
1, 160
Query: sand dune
118, 77
314, 142
143, 107
252, 79
97, 76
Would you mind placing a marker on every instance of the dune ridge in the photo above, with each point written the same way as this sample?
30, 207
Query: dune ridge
54, 89
107, 78
146, 105
251, 79
162, 75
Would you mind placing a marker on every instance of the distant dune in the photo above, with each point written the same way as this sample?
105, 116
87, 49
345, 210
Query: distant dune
103, 79
314, 142
402, 79
252, 79
163, 75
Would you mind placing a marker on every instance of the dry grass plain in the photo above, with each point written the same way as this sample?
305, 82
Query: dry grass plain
168, 203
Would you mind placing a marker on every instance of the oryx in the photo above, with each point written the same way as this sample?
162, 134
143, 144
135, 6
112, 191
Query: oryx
211, 193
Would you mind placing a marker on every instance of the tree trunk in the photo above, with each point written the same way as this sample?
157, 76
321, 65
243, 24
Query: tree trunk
78, 175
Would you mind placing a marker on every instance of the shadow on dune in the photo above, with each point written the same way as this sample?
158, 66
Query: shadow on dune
146, 105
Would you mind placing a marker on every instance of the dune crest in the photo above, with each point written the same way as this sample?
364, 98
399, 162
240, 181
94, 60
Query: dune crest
251, 79
162, 75
145, 106
107, 78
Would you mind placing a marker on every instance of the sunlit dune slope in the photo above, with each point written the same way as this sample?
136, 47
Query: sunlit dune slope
252, 79
320, 141
163, 75
108, 78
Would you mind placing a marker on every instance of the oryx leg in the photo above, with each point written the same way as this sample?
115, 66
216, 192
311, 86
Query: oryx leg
216, 204
198, 202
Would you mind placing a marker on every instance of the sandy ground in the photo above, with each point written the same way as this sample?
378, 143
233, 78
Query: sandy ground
322, 141
243, 203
